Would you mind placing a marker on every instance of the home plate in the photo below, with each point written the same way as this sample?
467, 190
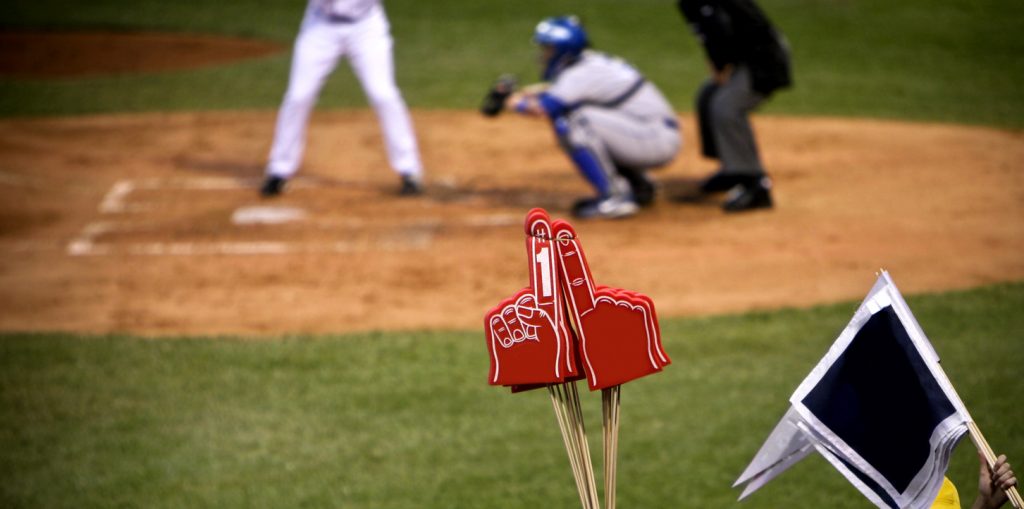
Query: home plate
267, 215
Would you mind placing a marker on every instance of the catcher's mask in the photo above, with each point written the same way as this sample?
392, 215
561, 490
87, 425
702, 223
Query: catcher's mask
566, 38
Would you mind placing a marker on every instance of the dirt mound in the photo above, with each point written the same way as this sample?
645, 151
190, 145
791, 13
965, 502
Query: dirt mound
74, 54
151, 223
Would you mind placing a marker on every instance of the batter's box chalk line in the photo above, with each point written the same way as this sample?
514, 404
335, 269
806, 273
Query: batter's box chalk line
398, 235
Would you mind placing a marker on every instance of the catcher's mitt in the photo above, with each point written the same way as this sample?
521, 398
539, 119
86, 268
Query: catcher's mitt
494, 101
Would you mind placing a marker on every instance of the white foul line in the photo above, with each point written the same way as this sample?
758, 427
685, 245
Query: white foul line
412, 235
85, 242
113, 202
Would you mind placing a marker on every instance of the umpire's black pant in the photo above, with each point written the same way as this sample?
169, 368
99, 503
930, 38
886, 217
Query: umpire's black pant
725, 130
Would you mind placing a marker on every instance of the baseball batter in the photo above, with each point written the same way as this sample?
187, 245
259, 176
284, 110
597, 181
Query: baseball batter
612, 122
358, 30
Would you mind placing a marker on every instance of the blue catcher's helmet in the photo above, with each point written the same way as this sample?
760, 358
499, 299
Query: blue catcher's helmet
567, 38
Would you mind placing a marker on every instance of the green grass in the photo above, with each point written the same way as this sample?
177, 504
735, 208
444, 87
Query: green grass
944, 60
407, 420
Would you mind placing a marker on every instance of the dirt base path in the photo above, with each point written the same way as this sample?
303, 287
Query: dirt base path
151, 224
54, 55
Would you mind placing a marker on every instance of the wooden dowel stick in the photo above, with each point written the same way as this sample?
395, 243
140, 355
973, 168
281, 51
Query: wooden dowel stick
578, 430
615, 404
574, 445
606, 428
584, 447
573, 463
564, 415
573, 460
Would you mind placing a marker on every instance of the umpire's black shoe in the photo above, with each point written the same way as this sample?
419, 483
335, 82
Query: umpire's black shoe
411, 186
272, 186
721, 181
752, 195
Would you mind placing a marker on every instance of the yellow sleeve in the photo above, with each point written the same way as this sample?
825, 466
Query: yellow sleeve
948, 497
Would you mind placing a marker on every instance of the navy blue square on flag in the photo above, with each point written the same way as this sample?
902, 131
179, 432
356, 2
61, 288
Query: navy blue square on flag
880, 398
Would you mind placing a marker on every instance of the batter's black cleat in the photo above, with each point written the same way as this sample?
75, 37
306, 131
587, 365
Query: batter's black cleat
411, 186
642, 185
272, 186
721, 181
752, 195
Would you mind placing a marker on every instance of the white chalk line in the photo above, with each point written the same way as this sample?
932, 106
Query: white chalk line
85, 242
113, 201
417, 234
260, 214
15, 179
413, 243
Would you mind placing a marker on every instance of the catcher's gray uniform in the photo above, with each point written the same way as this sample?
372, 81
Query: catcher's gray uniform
611, 121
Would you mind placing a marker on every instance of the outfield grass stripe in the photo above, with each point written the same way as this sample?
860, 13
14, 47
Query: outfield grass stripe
404, 420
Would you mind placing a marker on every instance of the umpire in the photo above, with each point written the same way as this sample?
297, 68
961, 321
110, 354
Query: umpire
749, 60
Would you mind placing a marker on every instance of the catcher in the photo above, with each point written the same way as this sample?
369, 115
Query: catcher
612, 123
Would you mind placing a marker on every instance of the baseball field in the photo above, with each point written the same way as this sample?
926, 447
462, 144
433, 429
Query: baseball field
164, 344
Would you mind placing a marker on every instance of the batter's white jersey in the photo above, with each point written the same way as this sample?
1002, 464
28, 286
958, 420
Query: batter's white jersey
359, 31
345, 9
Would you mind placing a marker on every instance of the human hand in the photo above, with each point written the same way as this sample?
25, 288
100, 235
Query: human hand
721, 76
993, 483
536, 88
526, 100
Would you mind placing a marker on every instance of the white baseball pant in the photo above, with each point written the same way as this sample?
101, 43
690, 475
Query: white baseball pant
367, 44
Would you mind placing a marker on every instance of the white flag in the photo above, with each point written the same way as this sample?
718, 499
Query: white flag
878, 407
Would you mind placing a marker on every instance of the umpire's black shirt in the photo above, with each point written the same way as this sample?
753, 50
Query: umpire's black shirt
737, 32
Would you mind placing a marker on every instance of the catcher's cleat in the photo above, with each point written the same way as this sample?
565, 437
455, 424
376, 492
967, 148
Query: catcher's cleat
411, 186
272, 186
750, 196
611, 207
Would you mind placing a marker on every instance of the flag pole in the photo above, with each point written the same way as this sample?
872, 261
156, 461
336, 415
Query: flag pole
979, 440
980, 443
990, 458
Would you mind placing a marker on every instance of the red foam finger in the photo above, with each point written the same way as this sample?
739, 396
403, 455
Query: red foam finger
576, 374
543, 263
497, 334
569, 337
620, 343
535, 319
577, 283
541, 258
661, 356
532, 217
617, 330
524, 345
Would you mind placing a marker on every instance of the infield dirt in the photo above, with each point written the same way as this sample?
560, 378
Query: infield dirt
124, 223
